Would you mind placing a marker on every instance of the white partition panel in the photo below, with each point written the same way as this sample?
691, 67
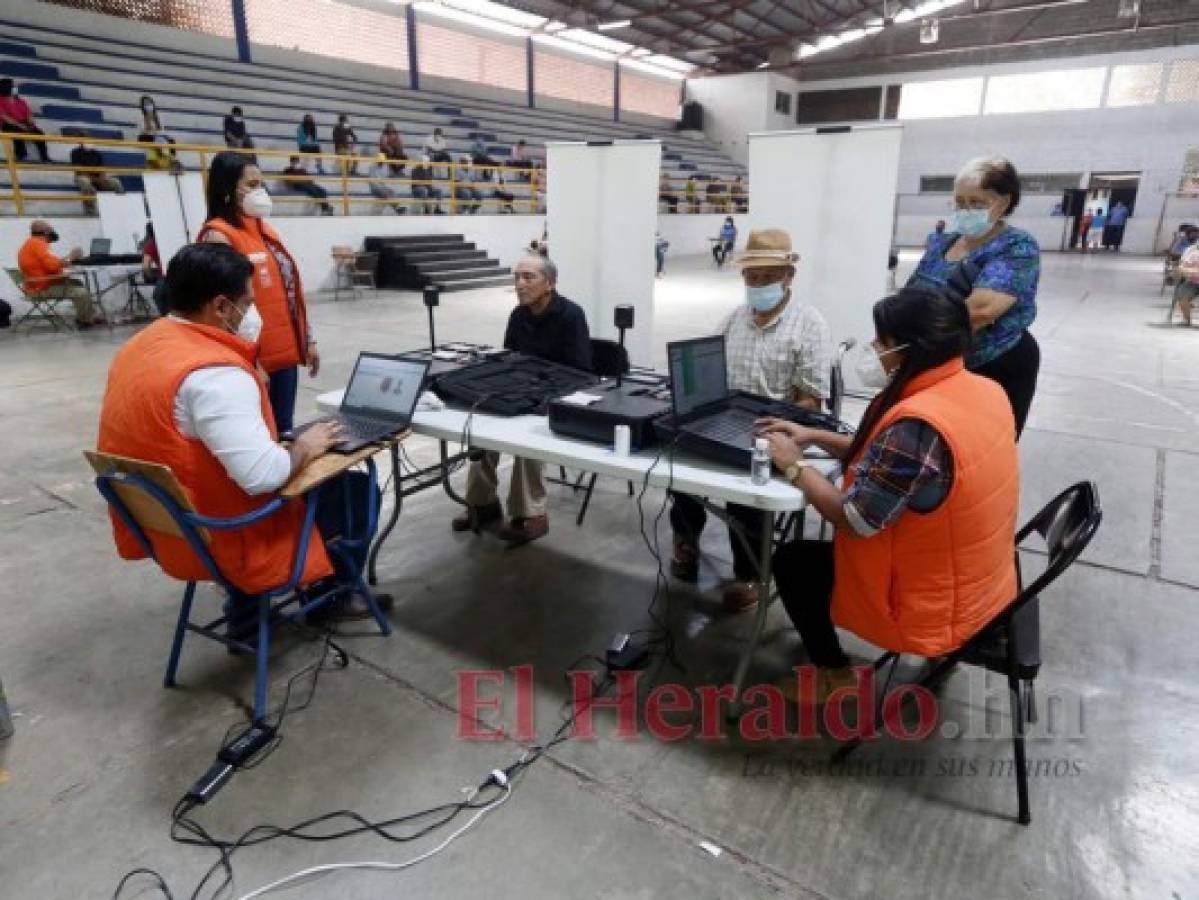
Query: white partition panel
834, 191
166, 212
122, 220
602, 212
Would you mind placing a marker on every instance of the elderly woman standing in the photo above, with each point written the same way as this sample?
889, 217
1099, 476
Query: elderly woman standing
996, 269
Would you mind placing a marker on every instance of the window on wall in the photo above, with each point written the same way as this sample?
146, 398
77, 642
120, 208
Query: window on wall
464, 56
1044, 91
648, 95
190, 15
941, 99
330, 29
1134, 85
782, 102
566, 78
1183, 86
842, 105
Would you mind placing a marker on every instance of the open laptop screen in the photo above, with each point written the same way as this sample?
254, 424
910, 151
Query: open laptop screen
698, 375
383, 387
100, 247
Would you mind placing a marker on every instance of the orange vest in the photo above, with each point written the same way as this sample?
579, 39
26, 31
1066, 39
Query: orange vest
138, 420
929, 581
284, 339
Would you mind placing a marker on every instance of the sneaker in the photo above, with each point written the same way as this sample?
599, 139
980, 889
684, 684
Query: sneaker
524, 530
684, 561
476, 518
740, 596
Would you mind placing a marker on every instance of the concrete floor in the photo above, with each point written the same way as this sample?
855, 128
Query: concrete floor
102, 752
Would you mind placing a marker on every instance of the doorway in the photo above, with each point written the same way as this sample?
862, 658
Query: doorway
1108, 192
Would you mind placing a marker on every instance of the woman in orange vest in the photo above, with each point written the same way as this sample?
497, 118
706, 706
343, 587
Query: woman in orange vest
238, 206
924, 552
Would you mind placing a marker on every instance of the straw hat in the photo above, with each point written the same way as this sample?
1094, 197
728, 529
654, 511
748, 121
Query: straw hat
767, 247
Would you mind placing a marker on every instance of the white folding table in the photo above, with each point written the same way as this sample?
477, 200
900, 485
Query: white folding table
530, 437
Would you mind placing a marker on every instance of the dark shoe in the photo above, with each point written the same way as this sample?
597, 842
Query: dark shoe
522, 531
350, 607
740, 596
684, 563
477, 517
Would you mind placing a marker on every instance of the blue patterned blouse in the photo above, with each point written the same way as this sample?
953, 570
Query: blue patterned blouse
1010, 263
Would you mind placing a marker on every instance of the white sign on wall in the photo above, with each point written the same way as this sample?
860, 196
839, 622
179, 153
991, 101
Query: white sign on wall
601, 216
834, 190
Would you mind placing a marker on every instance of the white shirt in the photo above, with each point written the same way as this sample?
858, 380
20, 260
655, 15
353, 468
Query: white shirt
433, 142
222, 406
794, 352
1189, 264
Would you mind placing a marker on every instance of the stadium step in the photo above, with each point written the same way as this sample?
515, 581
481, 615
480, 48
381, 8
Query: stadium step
450, 254
113, 134
483, 136
464, 123
447, 110
7, 48
21, 69
72, 113
499, 280
57, 91
456, 265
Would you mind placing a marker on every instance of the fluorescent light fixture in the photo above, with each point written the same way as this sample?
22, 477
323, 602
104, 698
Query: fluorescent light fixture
651, 70
610, 26
550, 40
925, 11
669, 62
930, 31
763, 65
595, 41
468, 18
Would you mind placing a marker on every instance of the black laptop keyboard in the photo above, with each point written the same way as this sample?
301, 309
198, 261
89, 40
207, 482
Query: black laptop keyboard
364, 429
729, 427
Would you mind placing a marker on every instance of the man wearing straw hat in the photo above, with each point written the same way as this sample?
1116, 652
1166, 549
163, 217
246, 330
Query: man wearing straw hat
777, 346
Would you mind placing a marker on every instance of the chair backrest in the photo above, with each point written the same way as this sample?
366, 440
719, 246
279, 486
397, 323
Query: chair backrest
366, 262
18, 278
142, 506
836, 379
341, 252
608, 358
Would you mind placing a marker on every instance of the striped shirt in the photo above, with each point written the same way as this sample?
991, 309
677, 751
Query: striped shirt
908, 465
792, 353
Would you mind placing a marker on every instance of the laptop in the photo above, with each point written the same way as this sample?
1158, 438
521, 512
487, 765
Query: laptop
700, 394
99, 253
378, 402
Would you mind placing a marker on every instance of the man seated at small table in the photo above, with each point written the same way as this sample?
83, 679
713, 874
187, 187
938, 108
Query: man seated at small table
89, 183
547, 325
44, 271
186, 393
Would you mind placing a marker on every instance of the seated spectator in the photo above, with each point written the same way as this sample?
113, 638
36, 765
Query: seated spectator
42, 270
716, 195
301, 182
151, 263
345, 141
724, 243
378, 184
17, 118
1188, 275
151, 125
391, 146
88, 183
479, 155
158, 157
306, 140
424, 189
236, 136
505, 198
692, 190
436, 148
537, 187
519, 158
738, 195
1182, 240
466, 179
186, 393
666, 193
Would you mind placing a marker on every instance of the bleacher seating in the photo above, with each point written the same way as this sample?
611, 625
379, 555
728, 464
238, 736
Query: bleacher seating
81, 84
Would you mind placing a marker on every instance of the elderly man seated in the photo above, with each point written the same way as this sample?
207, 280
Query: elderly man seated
547, 325
186, 393
44, 272
1188, 275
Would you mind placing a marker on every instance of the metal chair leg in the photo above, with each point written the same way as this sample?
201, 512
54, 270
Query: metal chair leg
1024, 816
586, 500
261, 657
185, 612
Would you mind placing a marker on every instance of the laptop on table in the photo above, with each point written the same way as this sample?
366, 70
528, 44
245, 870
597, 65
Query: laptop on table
99, 253
700, 394
379, 400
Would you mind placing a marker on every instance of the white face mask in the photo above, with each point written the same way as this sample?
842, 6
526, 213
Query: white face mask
257, 203
870, 369
250, 326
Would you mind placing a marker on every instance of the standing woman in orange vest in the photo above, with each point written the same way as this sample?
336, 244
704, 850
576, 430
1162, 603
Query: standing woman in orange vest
924, 552
238, 206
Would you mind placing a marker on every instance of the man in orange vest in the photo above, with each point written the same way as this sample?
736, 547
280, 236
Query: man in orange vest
924, 553
186, 393
43, 270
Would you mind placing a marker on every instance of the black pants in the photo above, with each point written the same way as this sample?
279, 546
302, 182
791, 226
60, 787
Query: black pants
334, 519
1016, 372
688, 517
671, 201
18, 147
314, 190
803, 571
721, 251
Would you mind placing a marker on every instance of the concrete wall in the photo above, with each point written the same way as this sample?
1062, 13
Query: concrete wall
310, 238
734, 106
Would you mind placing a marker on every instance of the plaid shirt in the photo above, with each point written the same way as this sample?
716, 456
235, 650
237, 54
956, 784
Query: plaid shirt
792, 353
907, 465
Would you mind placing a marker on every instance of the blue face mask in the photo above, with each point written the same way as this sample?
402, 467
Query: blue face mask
971, 222
764, 298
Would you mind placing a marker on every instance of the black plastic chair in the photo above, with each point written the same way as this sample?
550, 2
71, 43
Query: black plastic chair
1066, 524
608, 360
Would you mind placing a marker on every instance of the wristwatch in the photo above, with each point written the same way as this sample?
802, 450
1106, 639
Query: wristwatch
792, 471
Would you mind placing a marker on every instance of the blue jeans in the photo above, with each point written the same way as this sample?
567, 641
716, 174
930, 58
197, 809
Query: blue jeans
281, 388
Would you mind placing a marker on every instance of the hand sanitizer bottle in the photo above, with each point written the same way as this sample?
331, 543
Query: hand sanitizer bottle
759, 466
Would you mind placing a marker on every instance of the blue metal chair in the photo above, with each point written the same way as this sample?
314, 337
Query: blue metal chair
147, 497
